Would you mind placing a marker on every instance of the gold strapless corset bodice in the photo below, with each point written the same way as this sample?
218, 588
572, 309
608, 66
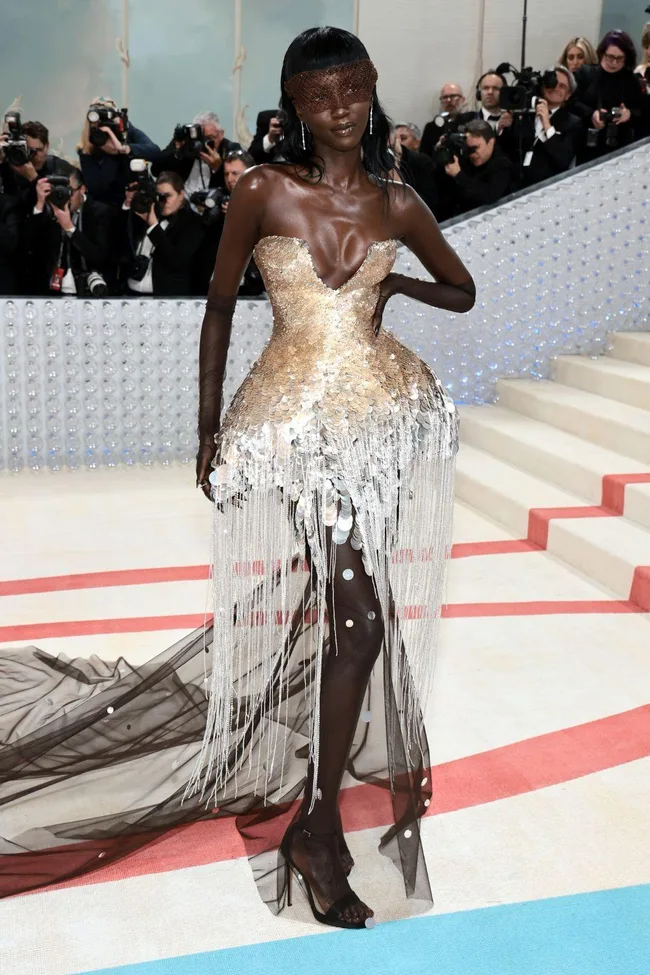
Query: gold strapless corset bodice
323, 359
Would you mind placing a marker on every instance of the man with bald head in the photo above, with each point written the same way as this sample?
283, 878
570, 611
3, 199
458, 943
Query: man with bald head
452, 100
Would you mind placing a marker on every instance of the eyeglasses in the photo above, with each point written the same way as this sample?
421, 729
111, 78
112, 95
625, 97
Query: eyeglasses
614, 58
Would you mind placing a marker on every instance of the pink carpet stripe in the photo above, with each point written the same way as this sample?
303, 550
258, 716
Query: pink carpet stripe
501, 773
613, 489
145, 624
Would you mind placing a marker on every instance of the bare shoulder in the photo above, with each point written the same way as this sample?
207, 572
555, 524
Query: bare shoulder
406, 205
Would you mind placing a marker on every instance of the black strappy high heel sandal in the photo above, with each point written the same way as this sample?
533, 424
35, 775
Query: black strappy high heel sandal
334, 915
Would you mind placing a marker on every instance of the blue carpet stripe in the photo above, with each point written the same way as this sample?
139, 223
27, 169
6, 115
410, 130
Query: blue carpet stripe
601, 933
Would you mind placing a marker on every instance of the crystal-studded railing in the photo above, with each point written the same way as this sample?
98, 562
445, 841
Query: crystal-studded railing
89, 383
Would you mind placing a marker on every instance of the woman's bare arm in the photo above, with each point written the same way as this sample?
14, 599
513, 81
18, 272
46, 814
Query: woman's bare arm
240, 234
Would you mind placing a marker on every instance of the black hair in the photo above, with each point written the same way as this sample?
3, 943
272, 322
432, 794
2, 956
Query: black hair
480, 127
621, 40
327, 47
175, 181
242, 156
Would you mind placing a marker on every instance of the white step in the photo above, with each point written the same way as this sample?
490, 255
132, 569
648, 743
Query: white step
572, 464
606, 549
602, 421
631, 346
626, 382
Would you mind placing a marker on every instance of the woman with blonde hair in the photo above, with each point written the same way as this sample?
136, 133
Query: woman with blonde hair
577, 52
108, 142
645, 44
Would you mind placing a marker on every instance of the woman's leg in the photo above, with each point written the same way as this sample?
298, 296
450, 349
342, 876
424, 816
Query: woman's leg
356, 637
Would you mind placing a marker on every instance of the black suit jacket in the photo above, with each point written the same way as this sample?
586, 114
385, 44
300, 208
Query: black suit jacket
87, 249
9, 241
25, 191
598, 88
175, 249
256, 147
550, 157
477, 186
168, 160
419, 172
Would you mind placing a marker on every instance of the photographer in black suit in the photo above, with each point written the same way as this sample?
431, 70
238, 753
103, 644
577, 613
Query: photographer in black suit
214, 218
197, 157
19, 179
481, 172
266, 146
544, 142
162, 242
416, 169
66, 241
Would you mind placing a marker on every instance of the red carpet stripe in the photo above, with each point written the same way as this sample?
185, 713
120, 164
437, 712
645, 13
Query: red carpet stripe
613, 489
187, 621
501, 773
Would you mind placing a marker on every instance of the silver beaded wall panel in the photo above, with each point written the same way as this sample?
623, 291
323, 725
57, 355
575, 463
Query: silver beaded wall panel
90, 383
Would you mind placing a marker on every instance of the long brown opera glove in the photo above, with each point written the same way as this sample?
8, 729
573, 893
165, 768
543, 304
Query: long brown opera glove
240, 233
213, 354
453, 288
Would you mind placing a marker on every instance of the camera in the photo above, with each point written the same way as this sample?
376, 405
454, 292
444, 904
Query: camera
193, 141
16, 150
454, 145
61, 191
608, 117
103, 116
210, 201
94, 284
521, 98
146, 193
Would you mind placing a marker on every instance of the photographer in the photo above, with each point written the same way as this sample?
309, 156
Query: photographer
409, 135
448, 119
67, 239
164, 235
28, 160
108, 142
266, 146
480, 172
213, 206
609, 99
196, 154
543, 141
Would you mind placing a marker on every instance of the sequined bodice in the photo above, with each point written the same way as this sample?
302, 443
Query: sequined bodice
323, 358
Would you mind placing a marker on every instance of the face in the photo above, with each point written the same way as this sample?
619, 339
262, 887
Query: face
40, 150
231, 173
491, 91
646, 51
613, 59
170, 200
558, 95
335, 103
77, 197
213, 132
482, 150
451, 99
406, 137
575, 58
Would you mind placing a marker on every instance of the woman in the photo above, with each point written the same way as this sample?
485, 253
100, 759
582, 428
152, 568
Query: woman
105, 151
332, 447
332, 483
166, 247
577, 52
609, 87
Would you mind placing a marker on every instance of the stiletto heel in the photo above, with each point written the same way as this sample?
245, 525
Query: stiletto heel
289, 882
333, 917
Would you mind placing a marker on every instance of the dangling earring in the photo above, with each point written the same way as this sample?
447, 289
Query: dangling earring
302, 127
371, 118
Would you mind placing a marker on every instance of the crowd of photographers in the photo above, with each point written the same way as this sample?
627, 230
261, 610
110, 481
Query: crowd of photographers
131, 218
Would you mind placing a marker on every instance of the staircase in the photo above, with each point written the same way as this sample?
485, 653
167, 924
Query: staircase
566, 464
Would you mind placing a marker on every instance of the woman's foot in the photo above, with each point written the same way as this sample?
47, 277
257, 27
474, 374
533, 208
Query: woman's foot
347, 859
317, 858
